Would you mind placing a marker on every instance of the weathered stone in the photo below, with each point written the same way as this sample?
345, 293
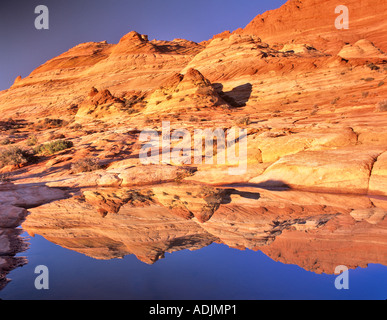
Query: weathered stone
345, 170
378, 179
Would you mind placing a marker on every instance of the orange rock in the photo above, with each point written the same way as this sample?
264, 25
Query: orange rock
378, 179
314, 22
344, 170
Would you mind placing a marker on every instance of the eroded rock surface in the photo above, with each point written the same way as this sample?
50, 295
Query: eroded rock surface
290, 226
310, 97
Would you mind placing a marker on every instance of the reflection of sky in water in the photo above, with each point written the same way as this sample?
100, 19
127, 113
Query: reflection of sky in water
214, 272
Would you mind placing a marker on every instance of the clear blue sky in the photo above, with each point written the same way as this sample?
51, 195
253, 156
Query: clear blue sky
23, 48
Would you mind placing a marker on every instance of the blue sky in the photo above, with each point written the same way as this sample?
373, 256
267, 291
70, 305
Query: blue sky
23, 48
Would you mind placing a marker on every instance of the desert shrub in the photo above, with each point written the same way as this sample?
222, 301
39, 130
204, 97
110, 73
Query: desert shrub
181, 175
243, 121
193, 119
85, 165
14, 156
5, 141
131, 111
133, 101
32, 140
76, 126
10, 125
381, 106
53, 147
373, 66
50, 124
148, 120
54, 122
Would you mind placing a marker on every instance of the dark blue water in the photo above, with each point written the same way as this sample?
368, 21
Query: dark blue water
214, 272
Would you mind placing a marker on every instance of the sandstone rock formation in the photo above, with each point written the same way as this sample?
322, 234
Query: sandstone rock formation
190, 91
314, 231
133, 63
362, 49
310, 21
297, 94
309, 97
323, 170
378, 179
100, 104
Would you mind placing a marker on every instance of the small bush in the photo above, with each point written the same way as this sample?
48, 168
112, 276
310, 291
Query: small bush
148, 120
54, 122
373, 66
131, 111
50, 124
381, 106
53, 147
5, 141
76, 126
10, 125
14, 156
32, 141
243, 121
193, 119
85, 165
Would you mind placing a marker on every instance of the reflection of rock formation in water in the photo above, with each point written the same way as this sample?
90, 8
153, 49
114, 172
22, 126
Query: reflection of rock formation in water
13, 203
314, 231
10, 244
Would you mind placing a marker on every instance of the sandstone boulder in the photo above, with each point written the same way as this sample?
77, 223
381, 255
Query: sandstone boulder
184, 92
378, 180
344, 170
361, 49
274, 147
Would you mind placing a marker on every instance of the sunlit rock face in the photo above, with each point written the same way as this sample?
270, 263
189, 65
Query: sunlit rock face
311, 99
310, 21
308, 94
314, 231
135, 63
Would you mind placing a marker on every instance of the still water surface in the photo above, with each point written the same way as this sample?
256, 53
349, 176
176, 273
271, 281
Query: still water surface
213, 272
